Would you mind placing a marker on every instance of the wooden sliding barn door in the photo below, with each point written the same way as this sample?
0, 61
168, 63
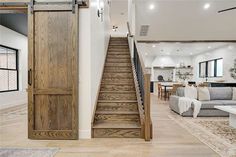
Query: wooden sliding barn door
53, 71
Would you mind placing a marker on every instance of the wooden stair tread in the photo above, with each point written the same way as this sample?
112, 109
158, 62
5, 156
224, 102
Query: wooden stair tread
118, 92
118, 101
116, 125
117, 112
116, 83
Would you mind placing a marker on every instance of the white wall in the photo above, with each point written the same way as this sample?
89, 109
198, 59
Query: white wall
118, 19
93, 43
171, 61
99, 44
228, 56
15, 40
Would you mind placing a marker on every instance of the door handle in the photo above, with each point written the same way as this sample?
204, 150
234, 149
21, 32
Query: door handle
30, 77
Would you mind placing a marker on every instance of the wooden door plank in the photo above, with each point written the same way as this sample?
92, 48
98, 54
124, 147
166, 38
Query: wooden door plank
75, 71
30, 67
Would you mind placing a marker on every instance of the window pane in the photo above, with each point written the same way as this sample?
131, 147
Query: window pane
219, 67
211, 68
202, 69
3, 80
12, 80
11, 59
3, 57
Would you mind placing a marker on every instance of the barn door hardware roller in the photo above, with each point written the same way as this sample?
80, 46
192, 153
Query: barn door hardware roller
31, 5
73, 3
73, 6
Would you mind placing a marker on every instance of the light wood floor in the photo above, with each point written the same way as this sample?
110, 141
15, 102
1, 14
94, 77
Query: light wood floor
170, 140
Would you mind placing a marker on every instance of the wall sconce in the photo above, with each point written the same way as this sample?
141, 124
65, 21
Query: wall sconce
114, 28
100, 11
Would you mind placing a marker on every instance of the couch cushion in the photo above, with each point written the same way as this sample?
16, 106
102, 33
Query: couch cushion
228, 102
211, 104
203, 94
180, 92
190, 92
221, 93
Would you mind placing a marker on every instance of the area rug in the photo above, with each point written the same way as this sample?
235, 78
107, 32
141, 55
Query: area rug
213, 131
19, 152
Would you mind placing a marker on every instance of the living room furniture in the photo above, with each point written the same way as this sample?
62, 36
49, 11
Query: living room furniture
167, 89
219, 96
232, 114
175, 87
221, 84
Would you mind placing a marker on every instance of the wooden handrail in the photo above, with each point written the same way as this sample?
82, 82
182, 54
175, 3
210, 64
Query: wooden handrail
142, 82
129, 31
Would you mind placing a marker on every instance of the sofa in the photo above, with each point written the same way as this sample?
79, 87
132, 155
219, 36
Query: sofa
218, 96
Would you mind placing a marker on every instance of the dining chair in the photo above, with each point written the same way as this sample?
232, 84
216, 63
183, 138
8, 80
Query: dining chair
175, 87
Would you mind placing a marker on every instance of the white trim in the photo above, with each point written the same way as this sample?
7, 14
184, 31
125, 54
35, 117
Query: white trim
85, 134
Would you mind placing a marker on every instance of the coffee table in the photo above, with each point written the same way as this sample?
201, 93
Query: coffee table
232, 114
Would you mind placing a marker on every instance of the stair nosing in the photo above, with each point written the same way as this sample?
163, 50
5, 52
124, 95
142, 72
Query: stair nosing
113, 127
117, 112
118, 92
117, 101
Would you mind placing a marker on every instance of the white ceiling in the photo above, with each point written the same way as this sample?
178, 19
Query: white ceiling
186, 20
119, 16
182, 49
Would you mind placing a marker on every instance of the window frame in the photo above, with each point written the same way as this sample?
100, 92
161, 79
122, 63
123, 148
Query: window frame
16, 70
206, 68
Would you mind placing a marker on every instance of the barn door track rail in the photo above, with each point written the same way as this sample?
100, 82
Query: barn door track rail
36, 5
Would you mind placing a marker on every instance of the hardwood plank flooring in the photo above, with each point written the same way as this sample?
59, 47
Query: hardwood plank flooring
170, 140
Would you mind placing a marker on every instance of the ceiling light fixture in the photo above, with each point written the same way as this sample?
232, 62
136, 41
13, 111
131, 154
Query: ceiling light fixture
153, 46
151, 6
209, 47
230, 47
114, 28
207, 6
146, 54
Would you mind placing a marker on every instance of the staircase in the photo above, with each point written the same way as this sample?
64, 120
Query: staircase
117, 108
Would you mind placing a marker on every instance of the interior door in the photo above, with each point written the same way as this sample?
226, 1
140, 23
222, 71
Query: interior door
53, 71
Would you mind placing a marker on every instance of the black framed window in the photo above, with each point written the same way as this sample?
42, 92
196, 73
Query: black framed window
8, 69
211, 68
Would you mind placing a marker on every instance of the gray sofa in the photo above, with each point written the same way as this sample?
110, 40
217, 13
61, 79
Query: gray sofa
218, 96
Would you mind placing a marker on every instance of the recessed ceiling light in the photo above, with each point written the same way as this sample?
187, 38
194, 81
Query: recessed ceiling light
153, 46
230, 47
209, 47
191, 53
207, 6
151, 6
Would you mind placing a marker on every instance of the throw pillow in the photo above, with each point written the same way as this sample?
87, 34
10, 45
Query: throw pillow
234, 93
190, 92
203, 94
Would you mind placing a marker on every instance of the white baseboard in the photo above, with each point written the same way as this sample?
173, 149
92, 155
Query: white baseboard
12, 104
85, 134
